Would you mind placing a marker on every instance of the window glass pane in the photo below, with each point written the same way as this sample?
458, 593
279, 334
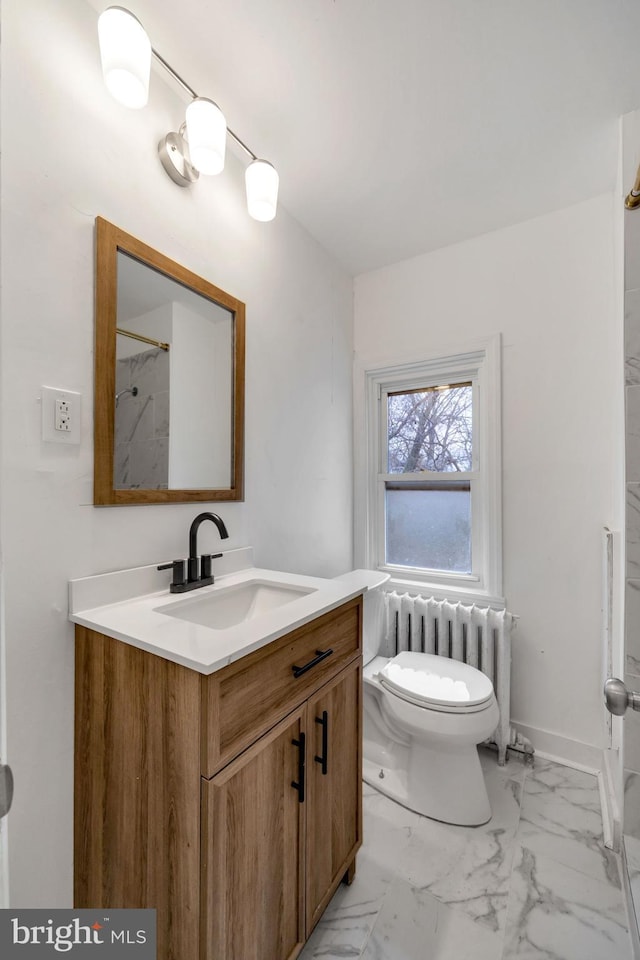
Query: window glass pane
430, 429
429, 527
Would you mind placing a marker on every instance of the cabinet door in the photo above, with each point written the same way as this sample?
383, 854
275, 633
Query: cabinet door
334, 807
252, 821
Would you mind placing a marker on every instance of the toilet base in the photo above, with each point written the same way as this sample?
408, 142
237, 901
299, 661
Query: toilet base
447, 787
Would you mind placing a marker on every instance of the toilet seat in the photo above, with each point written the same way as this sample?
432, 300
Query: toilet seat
436, 683
422, 753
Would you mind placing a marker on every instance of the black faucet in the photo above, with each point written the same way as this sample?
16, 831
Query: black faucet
203, 576
192, 567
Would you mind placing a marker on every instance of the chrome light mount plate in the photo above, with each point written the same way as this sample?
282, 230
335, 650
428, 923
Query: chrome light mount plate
174, 155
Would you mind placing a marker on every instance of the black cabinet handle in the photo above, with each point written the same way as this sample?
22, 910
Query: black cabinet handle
324, 723
320, 655
299, 786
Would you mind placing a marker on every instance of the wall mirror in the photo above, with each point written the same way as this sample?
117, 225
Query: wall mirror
169, 379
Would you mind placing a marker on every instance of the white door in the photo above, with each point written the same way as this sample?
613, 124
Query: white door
6, 779
613, 666
619, 698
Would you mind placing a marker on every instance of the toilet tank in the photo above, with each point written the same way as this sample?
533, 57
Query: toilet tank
372, 609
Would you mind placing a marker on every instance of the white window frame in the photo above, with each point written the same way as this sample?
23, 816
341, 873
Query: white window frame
479, 363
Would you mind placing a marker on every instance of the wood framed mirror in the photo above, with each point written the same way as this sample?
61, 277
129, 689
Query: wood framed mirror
169, 379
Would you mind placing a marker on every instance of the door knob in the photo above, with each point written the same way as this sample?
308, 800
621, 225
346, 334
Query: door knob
618, 697
6, 789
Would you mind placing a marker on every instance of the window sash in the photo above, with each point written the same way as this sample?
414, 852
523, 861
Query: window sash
404, 435
430, 477
402, 513
417, 481
393, 389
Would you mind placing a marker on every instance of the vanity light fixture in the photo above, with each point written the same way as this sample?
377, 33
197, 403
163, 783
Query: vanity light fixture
261, 180
125, 51
199, 144
206, 135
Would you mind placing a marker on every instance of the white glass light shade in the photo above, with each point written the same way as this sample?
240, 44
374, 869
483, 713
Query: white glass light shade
125, 50
207, 135
261, 179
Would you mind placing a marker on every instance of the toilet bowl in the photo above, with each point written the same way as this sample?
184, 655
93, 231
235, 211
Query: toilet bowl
424, 716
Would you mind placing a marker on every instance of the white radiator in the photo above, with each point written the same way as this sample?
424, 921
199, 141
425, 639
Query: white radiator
479, 636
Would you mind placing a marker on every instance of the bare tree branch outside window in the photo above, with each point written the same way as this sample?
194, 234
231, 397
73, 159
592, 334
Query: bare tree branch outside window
430, 429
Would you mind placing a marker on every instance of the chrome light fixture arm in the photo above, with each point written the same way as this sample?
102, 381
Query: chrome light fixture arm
207, 154
194, 96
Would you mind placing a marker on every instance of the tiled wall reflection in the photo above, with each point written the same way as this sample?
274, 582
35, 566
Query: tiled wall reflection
142, 422
632, 521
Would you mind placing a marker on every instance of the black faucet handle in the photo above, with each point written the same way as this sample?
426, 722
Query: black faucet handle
192, 570
205, 564
178, 571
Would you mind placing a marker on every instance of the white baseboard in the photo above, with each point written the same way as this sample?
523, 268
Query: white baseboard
571, 753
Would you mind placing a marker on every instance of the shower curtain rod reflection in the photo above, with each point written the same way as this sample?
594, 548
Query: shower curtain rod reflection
633, 198
138, 336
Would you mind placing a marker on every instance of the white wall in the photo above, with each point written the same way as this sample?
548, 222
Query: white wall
201, 390
70, 153
548, 286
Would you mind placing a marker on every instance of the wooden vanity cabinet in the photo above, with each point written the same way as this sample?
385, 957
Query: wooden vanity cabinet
232, 802
253, 829
334, 797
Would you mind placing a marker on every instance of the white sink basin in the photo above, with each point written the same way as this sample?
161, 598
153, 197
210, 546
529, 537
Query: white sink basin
207, 629
228, 606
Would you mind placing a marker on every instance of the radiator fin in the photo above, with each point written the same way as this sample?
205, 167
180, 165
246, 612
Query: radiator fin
479, 636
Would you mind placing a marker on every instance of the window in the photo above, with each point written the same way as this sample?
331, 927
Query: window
433, 471
428, 431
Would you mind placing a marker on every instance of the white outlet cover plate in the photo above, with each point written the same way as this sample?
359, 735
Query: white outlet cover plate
49, 395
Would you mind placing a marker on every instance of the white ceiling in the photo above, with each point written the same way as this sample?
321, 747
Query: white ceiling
401, 126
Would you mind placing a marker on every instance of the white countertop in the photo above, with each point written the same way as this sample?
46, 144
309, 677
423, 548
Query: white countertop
128, 605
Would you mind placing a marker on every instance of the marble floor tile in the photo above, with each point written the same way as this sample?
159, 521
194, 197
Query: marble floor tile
348, 920
632, 855
561, 800
582, 851
557, 913
471, 876
561, 818
346, 924
514, 769
414, 925
505, 787
387, 829
632, 803
469, 867
534, 882
430, 852
576, 788
632, 851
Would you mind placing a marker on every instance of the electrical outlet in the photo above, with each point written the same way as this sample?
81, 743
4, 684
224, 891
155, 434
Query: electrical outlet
63, 415
60, 415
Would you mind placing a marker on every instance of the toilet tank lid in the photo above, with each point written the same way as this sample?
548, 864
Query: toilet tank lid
438, 680
365, 579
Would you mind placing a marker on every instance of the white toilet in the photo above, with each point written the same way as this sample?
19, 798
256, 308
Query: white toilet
423, 719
